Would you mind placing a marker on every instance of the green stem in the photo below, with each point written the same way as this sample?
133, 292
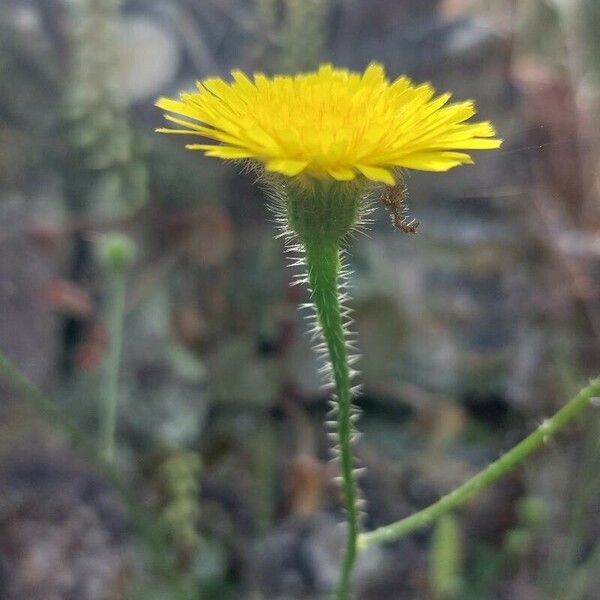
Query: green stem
323, 262
147, 525
490, 474
266, 454
580, 581
44, 405
57, 417
109, 391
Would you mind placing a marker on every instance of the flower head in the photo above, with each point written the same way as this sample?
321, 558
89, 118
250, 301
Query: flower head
332, 123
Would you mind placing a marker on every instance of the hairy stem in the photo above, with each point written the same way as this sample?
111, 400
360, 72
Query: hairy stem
323, 262
109, 392
490, 474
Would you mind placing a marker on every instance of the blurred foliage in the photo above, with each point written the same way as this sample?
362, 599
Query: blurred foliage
589, 15
446, 559
304, 20
27, 67
459, 326
540, 27
179, 475
106, 174
293, 33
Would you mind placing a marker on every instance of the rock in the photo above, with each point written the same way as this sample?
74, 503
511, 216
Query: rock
62, 531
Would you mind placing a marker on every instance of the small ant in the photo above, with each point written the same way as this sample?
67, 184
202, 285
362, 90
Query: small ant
395, 198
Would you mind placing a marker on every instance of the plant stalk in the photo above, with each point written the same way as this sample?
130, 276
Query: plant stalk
323, 262
491, 473
148, 525
109, 392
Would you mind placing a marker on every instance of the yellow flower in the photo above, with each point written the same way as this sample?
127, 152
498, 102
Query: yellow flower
331, 123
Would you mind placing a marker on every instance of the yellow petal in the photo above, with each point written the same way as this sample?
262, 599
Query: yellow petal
333, 123
434, 161
286, 167
176, 106
342, 174
473, 144
377, 174
374, 73
227, 152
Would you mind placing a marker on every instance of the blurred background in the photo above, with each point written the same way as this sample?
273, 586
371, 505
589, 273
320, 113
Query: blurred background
471, 331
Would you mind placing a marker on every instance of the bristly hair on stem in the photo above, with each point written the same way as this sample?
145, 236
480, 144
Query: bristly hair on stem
315, 219
325, 269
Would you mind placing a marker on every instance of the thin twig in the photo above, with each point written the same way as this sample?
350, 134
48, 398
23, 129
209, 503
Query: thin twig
491, 473
147, 524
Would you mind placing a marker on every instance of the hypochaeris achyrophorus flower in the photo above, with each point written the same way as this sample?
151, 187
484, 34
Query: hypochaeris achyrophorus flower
332, 123
328, 133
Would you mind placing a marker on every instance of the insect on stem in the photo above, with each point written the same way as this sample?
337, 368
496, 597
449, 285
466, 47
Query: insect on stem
395, 198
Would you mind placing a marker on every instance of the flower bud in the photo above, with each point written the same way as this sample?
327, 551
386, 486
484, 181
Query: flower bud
116, 252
